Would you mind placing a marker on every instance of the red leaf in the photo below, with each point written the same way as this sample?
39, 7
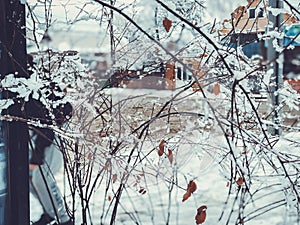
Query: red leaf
170, 156
167, 24
240, 181
114, 178
201, 214
216, 89
192, 187
161, 148
245, 152
186, 196
142, 191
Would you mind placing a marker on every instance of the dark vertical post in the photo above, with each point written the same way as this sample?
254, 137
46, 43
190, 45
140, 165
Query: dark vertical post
273, 55
3, 181
15, 134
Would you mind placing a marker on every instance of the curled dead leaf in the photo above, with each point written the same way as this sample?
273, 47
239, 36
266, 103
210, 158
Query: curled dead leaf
142, 191
216, 89
170, 156
161, 148
186, 196
114, 178
240, 181
90, 156
201, 214
109, 198
203, 55
245, 152
167, 24
192, 187
107, 165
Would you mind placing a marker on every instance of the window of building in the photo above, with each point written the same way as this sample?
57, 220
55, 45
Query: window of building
184, 74
260, 13
179, 73
251, 13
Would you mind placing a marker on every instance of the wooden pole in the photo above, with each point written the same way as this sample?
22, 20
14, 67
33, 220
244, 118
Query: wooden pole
276, 66
13, 60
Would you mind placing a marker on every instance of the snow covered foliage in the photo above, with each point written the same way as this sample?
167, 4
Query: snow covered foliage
203, 145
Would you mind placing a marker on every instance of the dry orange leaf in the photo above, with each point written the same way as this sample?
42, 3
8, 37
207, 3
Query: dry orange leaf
186, 196
90, 156
167, 24
170, 156
216, 89
240, 181
114, 178
201, 214
203, 55
109, 198
245, 152
107, 165
161, 148
192, 187
142, 191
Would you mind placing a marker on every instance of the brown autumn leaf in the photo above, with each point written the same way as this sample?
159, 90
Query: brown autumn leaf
109, 198
142, 191
245, 152
114, 178
216, 89
167, 24
240, 181
201, 214
107, 165
90, 156
170, 156
186, 196
192, 187
203, 55
161, 148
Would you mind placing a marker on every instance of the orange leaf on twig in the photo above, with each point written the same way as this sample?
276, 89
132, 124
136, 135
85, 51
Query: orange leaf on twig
203, 55
216, 89
142, 191
186, 196
170, 156
191, 188
161, 148
240, 181
201, 214
114, 178
167, 24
